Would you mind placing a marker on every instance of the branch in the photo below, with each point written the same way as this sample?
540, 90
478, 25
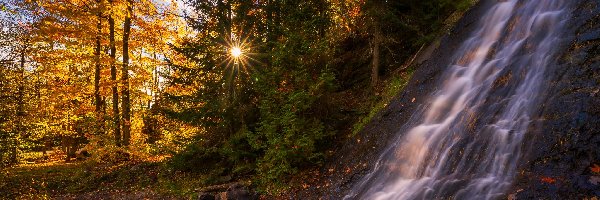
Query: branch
6, 61
409, 63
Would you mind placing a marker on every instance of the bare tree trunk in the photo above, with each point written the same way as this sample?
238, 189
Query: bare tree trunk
154, 85
113, 78
229, 21
98, 99
20, 112
375, 64
126, 105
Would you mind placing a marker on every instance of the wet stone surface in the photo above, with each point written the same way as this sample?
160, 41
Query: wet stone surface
566, 145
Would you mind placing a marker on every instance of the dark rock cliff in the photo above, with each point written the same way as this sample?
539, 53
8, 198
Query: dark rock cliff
563, 142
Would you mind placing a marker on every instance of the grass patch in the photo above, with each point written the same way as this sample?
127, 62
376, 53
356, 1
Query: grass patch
393, 86
36, 180
88, 179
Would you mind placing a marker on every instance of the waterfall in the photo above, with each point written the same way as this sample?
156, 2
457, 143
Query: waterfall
447, 152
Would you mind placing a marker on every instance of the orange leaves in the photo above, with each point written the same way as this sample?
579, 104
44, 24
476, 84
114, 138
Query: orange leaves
548, 180
595, 169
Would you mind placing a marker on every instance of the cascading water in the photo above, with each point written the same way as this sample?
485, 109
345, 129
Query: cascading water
448, 154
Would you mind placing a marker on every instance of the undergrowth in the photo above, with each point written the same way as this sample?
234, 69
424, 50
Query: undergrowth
61, 180
392, 88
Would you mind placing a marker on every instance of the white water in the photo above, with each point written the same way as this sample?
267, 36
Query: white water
449, 153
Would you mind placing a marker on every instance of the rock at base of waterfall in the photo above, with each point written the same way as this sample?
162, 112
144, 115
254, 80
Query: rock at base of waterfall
205, 196
238, 191
233, 192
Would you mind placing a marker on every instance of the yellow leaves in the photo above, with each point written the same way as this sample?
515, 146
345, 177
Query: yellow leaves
64, 33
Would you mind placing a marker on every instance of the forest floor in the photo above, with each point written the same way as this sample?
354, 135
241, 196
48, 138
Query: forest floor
58, 179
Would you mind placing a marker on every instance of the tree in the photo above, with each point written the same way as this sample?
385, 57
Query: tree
67, 59
97, 70
126, 105
15, 94
265, 112
113, 76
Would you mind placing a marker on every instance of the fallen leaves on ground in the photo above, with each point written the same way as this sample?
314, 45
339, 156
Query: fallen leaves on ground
549, 180
595, 169
595, 180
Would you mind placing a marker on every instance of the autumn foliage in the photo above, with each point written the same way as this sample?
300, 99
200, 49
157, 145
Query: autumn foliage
58, 57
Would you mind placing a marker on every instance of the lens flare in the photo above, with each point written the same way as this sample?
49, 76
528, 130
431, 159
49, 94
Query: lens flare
238, 57
236, 52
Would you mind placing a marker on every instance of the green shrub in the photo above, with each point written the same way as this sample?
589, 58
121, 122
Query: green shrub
196, 158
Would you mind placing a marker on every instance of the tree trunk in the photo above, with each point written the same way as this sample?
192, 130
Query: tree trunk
154, 85
125, 75
20, 112
229, 22
375, 64
113, 78
98, 99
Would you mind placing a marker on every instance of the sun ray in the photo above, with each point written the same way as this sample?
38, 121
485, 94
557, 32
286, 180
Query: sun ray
239, 57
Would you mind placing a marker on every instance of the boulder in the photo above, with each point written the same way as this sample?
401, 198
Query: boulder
233, 191
205, 196
239, 192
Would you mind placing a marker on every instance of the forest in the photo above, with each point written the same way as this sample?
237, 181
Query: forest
163, 98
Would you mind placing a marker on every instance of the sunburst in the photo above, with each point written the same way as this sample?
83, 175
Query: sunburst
236, 52
239, 57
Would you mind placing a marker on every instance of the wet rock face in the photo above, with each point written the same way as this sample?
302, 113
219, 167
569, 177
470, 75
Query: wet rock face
566, 143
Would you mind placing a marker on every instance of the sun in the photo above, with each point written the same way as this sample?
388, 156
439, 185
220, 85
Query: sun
236, 52
239, 56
